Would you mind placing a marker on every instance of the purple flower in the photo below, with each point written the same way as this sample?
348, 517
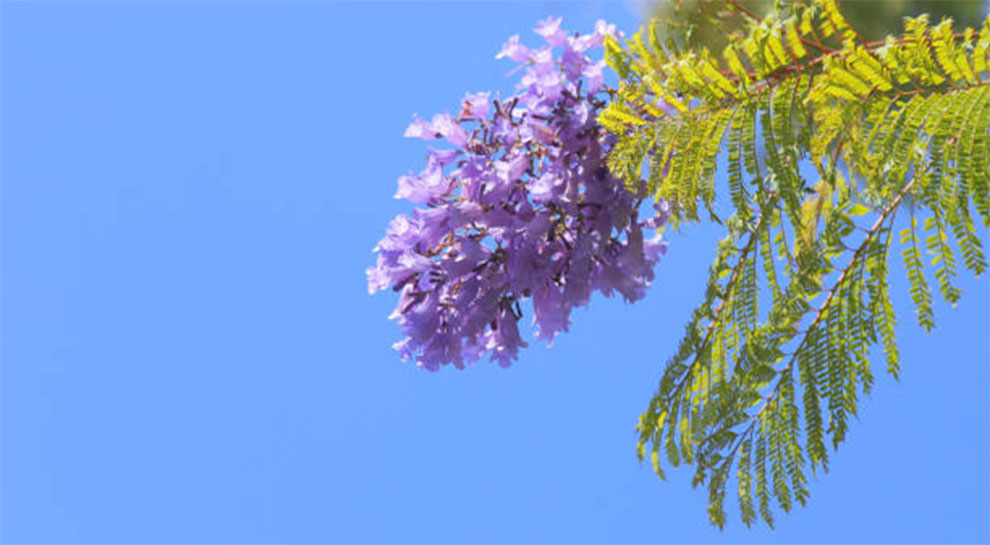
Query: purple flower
427, 187
551, 313
421, 129
514, 50
510, 171
442, 126
573, 61
549, 28
476, 105
594, 72
603, 29
442, 157
521, 208
545, 188
504, 340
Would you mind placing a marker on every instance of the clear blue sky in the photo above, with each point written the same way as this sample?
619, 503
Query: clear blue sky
190, 195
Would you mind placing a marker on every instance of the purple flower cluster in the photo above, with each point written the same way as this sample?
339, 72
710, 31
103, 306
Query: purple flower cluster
522, 207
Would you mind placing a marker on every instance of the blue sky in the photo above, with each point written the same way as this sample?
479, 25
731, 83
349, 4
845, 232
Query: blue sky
190, 194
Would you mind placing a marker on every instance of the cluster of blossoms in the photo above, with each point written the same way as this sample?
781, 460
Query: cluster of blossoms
522, 207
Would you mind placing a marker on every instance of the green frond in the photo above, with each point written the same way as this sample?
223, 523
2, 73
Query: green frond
920, 294
883, 314
745, 481
773, 361
626, 159
760, 466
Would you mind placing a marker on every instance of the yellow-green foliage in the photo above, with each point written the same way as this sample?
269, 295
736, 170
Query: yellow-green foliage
798, 291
